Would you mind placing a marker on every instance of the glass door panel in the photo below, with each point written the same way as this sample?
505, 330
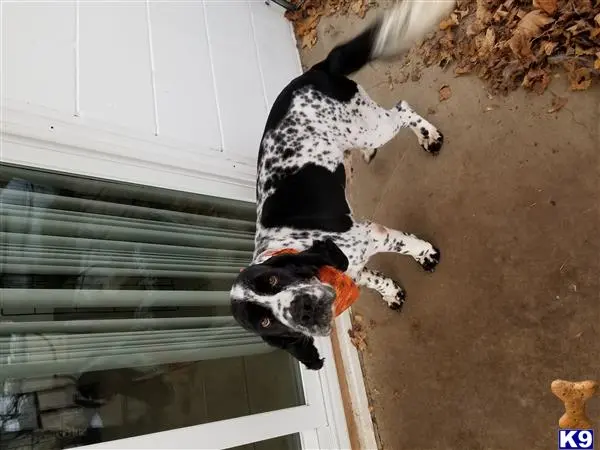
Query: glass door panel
290, 442
114, 314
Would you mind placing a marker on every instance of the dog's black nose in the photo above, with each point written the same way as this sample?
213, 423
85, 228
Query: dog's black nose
304, 308
309, 310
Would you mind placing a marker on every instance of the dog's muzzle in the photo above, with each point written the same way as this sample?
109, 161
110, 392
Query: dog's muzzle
314, 311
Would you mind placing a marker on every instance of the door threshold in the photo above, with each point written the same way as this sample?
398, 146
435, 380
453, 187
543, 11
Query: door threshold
352, 386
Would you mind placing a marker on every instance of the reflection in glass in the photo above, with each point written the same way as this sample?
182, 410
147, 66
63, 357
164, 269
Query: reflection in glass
114, 313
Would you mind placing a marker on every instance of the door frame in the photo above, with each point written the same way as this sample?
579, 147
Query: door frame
50, 140
321, 422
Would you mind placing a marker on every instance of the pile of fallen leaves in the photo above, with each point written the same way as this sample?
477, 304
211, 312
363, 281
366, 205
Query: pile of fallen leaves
307, 17
512, 43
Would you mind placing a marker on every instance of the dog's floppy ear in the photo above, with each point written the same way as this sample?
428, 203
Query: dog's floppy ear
330, 252
321, 253
302, 348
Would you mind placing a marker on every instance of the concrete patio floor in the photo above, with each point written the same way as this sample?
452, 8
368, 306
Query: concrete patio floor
513, 202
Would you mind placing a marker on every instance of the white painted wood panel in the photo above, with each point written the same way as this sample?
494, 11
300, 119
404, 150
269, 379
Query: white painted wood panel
38, 54
277, 53
185, 87
115, 65
238, 75
185, 84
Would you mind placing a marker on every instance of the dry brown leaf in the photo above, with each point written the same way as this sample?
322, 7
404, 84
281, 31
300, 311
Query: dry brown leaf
305, 26
582, 6
574, 29
533, 22
520, 44
499, 15
482, 13
309, 39
503, 11
597, 62
332, 8
462, 70
447, 23
358, 337
595, 33
474, 28
513, 15
579, 51
357, 333
548, 6
597, 19
359, 7
536, 80
358, 340
486, 42
445, 93
529, 27
549, 47
581, 79
558, 103
462, 12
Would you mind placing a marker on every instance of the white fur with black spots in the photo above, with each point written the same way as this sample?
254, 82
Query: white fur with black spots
301, 199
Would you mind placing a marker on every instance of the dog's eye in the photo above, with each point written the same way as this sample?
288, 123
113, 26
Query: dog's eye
265, 323
273, 280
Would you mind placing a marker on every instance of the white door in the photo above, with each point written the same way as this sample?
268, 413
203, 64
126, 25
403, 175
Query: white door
173, 96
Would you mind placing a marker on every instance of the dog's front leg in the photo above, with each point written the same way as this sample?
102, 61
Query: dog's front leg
385, 239
391, 292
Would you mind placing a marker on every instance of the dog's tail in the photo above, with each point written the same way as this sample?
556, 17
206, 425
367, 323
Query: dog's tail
392, 34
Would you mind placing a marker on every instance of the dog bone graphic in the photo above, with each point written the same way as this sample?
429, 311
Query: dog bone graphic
574, 394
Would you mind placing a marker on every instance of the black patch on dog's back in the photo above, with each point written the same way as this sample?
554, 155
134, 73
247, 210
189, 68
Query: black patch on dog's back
335, 86
312, 198
329, 75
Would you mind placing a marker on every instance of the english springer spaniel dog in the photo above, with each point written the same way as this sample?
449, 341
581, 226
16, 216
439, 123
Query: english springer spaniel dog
301, 201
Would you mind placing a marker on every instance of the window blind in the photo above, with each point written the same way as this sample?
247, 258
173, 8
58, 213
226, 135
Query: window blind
97, 275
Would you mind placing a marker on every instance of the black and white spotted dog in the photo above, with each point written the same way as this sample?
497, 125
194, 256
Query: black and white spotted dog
301, 189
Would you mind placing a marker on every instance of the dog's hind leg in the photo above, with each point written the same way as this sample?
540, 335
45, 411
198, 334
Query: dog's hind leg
371, 126
429, 137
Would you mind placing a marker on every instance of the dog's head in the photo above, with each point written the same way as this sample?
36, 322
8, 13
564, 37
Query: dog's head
283, 301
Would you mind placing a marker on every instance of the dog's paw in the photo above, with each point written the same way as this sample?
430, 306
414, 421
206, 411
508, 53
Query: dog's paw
396, 302
430, 138
430, 260
369, 154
